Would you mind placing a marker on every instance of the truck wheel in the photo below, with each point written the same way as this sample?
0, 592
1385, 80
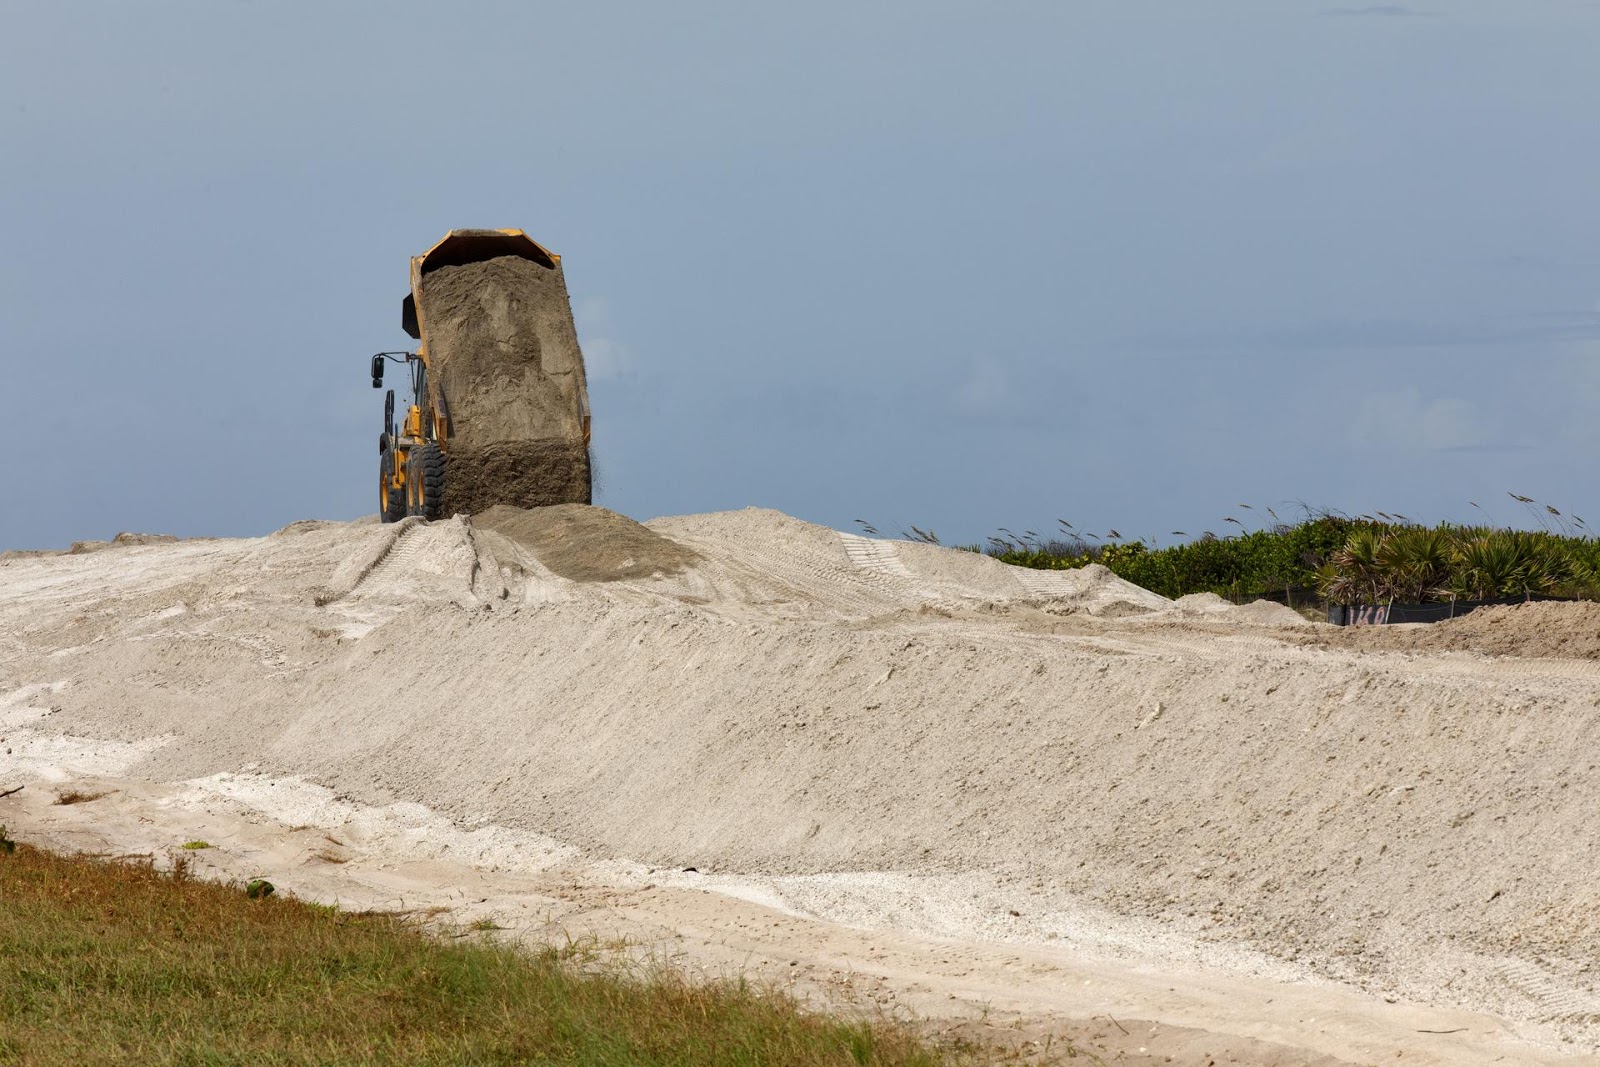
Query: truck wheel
425, 481
391, 501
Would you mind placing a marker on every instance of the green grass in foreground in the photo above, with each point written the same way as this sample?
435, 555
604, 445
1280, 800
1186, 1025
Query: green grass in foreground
116, 963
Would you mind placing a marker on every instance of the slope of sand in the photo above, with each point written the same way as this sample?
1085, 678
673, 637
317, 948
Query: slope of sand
907, 739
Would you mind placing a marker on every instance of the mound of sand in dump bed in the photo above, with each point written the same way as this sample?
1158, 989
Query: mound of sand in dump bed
504, 353
527, 474
587, 544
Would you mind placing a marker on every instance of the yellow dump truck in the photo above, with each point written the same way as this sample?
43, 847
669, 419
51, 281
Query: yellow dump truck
499, 407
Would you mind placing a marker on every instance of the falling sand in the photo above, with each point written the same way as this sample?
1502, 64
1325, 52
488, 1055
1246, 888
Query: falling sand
503, 353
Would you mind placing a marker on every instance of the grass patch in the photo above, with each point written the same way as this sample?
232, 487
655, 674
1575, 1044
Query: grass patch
104, 962
195, 846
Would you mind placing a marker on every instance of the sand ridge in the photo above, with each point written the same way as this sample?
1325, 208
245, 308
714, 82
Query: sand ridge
783, 705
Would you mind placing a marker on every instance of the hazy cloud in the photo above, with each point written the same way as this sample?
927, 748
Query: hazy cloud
1378, 9
1576, 389
1381, 334
604, 357
986, 390
1405, 419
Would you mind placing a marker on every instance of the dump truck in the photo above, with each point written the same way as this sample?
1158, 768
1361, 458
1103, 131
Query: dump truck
498, 410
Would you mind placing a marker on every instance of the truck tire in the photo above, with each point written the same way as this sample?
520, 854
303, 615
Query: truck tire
391, 501
425, 481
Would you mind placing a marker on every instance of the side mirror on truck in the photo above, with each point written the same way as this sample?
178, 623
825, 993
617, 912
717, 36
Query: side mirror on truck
377, 372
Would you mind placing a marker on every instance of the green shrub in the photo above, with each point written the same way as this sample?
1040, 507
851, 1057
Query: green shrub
1339, 560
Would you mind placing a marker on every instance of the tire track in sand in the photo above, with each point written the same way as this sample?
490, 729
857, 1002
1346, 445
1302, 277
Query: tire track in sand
880, 561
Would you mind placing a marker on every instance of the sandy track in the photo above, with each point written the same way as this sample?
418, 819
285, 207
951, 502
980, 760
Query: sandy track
1035, 997
926, 745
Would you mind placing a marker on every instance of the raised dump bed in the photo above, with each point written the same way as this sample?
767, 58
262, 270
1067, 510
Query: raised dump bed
506, 393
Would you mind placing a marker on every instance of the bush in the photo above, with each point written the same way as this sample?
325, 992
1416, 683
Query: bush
1340, 560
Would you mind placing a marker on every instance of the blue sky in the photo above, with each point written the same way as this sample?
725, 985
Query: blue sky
960, 265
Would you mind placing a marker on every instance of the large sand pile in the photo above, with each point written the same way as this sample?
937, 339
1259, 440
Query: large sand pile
504, 352
758, 697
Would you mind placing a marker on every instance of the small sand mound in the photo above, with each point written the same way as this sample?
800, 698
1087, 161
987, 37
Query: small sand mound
1255, 613
1550, 628
129, 538
1202, 604
305, 526
1119, 609
80, 548
1090, 589
1270, 613
587, 544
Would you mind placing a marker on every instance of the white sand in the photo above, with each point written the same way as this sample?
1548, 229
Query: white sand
902, 737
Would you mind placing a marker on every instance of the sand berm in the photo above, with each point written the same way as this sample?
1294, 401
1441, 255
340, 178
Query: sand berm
748, 694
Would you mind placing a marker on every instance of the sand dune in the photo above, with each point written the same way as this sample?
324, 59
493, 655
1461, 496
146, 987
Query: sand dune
897, 737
